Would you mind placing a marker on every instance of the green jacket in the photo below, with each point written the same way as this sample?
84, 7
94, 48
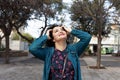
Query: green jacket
74, 51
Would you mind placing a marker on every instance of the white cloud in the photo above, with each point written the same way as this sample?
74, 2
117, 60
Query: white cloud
34, 28
67, 1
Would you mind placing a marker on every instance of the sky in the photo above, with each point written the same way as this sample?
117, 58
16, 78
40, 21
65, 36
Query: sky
33, 27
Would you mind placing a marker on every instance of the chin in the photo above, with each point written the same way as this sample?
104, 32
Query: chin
63, 37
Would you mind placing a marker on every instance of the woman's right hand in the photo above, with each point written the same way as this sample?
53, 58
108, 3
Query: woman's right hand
48, 33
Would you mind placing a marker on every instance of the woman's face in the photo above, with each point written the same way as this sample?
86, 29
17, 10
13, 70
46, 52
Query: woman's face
59, 34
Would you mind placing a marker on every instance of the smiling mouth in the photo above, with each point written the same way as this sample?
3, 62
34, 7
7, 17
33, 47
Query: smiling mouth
61, 34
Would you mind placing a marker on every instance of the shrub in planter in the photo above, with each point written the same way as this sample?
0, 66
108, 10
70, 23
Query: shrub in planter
2, 49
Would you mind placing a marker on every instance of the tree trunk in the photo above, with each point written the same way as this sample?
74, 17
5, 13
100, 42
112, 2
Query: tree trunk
7, 49
99, 52
99, 24
0, 43
30, 41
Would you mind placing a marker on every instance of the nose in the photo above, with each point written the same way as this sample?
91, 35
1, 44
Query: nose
61, 31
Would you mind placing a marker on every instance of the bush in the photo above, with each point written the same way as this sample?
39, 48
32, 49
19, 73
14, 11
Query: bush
2, 48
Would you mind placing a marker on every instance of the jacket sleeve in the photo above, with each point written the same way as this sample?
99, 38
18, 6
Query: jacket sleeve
36, 48
83, 42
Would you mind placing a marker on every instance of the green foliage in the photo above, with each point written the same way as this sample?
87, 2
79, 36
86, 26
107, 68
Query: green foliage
2, 48
15, 36
14, 14
116, 4
47, 8
27, 35
90, 14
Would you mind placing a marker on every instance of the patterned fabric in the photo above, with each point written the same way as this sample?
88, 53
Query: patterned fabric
57, 67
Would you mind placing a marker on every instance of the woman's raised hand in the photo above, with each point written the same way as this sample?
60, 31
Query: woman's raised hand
68, 29
48, 33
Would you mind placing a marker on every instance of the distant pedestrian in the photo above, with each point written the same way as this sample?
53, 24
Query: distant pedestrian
61, 60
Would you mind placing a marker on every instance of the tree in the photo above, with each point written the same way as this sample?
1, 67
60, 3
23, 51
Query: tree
93, 17
40, 9
16, 36
13, 14
47, 9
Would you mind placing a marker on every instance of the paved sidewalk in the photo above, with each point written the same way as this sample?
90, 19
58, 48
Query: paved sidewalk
112, 71
26, 68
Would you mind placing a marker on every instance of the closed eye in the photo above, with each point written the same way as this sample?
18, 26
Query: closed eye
55, 31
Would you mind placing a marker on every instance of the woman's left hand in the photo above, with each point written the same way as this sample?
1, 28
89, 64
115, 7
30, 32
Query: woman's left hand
68, 29
48, 33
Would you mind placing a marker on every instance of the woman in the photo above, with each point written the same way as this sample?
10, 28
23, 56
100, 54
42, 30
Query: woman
61, 60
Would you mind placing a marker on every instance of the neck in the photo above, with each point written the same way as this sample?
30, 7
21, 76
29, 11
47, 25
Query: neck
61, 45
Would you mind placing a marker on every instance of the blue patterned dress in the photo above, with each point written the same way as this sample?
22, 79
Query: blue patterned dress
57, 67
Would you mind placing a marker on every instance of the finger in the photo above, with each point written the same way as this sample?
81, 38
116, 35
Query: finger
68, 29
64, 27
49, 30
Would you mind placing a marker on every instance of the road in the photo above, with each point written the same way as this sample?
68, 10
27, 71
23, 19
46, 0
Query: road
27, 68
